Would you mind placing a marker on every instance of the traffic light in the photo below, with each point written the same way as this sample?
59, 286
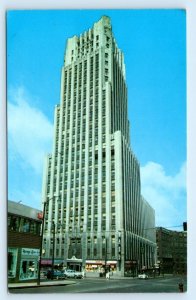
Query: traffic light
185, 226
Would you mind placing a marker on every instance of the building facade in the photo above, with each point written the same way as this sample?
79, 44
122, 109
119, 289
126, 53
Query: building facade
91, 183
172, 251
24, 242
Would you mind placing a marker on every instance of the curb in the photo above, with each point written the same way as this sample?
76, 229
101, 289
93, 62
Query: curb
38, 286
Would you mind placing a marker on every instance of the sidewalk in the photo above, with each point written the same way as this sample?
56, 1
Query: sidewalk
42, 284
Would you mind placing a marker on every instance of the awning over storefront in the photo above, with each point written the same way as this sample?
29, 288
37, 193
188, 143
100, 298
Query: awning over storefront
58, 261
131, 262
101, 262
97, 262
46, 262
49, 262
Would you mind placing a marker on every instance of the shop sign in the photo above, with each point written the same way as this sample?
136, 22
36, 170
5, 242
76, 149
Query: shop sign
94, 261
101, 262
131, 262
46, 262
111, 262
30, 252
40, 216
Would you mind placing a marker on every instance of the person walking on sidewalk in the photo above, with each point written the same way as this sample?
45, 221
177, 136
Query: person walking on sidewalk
181, 286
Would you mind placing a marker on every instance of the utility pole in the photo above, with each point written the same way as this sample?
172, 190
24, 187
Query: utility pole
41, 243
106, 249
53, 249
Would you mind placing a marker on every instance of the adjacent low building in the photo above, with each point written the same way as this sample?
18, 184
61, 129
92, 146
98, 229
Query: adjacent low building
171, 251
24, 242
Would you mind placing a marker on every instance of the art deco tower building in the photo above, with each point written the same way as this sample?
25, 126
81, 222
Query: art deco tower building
92, 178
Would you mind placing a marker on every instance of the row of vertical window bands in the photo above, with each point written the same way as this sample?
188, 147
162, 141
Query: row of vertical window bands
93, 249
91, 199
95, 253
58, 240
21, 224
80, 212
96, 229
83, 107
64, 163
79, 75
80, 100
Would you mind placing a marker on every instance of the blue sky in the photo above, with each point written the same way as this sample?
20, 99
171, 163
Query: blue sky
154, 45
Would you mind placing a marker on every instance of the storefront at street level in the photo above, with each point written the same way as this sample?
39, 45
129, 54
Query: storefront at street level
100, 266
23, 243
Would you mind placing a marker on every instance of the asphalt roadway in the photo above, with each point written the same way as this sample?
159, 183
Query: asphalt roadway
165, 284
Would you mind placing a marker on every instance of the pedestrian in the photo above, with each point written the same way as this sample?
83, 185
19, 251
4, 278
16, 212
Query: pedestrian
181, 287
107, 275
49, 274
83, 273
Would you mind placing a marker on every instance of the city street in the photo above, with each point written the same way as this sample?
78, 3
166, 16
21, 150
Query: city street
99, 285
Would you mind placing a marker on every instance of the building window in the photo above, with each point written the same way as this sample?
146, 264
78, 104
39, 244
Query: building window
28, 268
12, 262
13, 223
25, 225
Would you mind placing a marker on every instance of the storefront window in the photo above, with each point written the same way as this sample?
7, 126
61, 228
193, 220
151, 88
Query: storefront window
29, 264
28, 269
12, 261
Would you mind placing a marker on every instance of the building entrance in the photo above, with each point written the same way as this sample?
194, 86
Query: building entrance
74, 264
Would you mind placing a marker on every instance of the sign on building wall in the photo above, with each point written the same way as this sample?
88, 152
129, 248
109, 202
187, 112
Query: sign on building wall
29, 263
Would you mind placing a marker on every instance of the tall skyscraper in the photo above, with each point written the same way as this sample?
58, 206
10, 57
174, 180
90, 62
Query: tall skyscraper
92, 179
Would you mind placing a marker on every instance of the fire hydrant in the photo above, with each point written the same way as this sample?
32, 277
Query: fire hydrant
181, 286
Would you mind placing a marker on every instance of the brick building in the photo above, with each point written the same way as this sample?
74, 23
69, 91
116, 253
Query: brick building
24, 242
171, 250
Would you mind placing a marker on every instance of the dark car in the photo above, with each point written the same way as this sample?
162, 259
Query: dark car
55, 274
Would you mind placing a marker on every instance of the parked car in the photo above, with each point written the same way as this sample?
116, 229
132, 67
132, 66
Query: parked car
55, 274
79, 275
143, 276
73, 274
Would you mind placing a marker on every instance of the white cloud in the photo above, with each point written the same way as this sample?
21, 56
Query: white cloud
30, 196
165, 193
29, 131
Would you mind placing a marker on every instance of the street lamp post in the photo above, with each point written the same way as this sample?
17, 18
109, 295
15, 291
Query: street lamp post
41, 247
53, 248
119, 250
41, 242
106, 249
142, 257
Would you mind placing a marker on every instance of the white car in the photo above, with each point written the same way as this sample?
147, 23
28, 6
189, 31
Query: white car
143, 276
73, 274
